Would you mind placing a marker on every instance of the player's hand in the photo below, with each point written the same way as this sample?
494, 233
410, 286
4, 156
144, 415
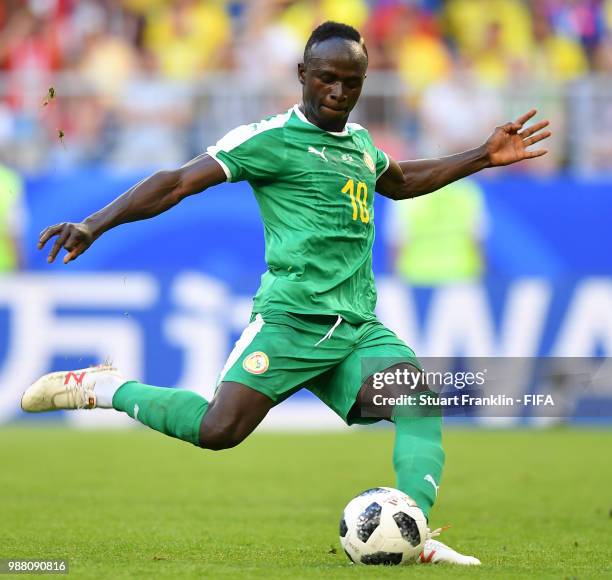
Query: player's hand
74, 238
508, 143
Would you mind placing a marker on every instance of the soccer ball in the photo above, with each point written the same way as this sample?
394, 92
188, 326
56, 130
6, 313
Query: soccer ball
383, 526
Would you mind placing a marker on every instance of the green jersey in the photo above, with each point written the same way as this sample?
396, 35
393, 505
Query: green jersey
315, 192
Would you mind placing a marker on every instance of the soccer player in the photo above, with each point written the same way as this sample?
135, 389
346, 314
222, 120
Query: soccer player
313, 324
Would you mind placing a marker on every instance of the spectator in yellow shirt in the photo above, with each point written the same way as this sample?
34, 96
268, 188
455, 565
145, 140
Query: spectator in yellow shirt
188, 36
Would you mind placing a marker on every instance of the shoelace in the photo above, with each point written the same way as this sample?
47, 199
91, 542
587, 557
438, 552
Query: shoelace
79, 394
79, 399
429, 535
435, 533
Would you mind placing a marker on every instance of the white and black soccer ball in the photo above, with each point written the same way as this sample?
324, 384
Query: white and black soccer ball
383, 526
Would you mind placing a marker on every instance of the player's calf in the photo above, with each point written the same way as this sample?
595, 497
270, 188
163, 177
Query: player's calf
418, 457
174, 412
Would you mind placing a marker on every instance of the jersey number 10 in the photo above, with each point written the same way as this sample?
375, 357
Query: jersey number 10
360, 199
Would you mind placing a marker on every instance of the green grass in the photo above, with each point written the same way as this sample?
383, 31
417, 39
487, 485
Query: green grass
136, 504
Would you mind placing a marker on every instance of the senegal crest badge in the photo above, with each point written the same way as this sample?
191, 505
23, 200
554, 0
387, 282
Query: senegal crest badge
369, 162
256, 363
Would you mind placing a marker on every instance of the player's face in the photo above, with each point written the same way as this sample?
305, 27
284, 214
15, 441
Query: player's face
332, 81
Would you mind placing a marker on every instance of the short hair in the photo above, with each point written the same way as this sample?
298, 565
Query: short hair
329, 30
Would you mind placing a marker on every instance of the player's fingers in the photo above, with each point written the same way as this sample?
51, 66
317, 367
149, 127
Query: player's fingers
57, 245
536, 138
524, 118
74, 253
73, 246
47, 233
71, 256
534, 129
536, 153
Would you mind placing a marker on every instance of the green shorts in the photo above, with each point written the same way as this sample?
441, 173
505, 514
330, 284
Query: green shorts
280, 353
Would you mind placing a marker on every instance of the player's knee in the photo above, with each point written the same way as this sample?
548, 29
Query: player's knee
380, 393
219, 437
218, 441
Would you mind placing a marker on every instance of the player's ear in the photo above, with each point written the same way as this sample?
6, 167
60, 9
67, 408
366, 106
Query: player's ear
301, 73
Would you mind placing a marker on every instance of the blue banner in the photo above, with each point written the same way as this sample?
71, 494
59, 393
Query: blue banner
165, 299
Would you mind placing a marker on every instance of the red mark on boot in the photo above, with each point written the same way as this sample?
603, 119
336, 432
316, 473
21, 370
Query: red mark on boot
78, 378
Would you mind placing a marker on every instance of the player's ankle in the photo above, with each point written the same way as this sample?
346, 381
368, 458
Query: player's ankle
107, 384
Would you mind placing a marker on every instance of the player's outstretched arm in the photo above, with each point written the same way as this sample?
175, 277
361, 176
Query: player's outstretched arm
507, 144
146, 199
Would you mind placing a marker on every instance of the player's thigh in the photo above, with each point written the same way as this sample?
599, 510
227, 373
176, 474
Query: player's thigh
277, 354
344, 388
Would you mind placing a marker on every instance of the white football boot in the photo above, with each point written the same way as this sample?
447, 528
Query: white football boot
435, 552
72, 390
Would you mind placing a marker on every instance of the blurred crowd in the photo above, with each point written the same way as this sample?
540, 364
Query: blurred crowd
136, 83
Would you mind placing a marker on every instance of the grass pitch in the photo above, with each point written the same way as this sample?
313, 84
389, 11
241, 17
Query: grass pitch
136, 504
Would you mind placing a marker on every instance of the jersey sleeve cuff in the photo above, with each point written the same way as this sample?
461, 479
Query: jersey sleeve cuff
213, 152
387, 162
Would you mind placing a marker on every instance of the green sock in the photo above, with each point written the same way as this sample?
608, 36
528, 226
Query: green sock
418, 457
174, 412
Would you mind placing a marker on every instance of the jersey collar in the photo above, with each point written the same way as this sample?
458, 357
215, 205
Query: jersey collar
302, 117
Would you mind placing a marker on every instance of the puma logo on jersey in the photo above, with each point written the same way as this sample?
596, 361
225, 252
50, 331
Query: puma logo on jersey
321, 153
